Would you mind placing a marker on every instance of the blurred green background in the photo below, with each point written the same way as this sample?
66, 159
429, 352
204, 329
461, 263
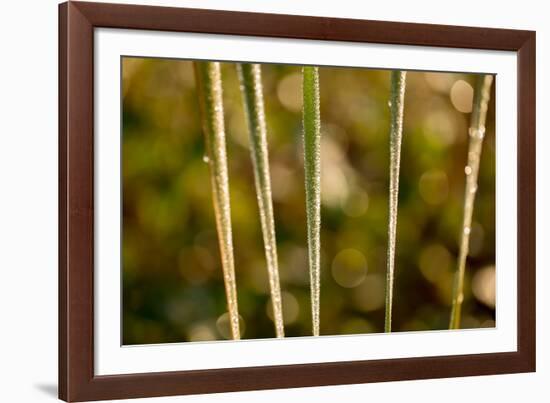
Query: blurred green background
172, 278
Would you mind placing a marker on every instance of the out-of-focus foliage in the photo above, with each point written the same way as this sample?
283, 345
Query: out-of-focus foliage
172, 278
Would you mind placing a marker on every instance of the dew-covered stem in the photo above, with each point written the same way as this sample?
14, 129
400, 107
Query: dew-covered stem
476, 135
397, 97
208, 77
312, 167
250, 76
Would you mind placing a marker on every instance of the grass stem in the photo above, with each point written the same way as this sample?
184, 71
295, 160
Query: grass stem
476, 135
397, 97
312, 167
250, 76
208, 76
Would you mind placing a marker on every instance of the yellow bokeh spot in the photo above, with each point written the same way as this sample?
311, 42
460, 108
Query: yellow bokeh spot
349, 268
462, 96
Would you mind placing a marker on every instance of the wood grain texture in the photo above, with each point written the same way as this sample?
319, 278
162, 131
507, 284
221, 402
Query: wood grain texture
62, 322
77, 21
76, 210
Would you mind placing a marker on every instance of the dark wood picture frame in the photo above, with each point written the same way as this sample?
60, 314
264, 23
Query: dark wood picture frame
77, 21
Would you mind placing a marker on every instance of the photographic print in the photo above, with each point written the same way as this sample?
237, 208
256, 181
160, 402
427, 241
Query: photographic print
253, 201
270, 200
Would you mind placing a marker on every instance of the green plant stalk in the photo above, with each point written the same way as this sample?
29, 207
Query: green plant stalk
250, 77
397, 97
476, 134
208, 77
312, 167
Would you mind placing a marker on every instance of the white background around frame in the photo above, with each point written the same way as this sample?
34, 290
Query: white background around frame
111, 358
28, 206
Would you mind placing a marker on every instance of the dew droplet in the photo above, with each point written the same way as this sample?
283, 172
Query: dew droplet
206, 159
467, 230
478, 133
467, 170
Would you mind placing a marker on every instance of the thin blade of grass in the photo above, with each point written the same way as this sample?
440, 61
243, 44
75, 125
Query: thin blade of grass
312, 167
208, 76
476, 134
250, 76
397, 97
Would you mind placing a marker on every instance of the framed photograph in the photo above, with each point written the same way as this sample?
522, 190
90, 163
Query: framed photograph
256, 201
